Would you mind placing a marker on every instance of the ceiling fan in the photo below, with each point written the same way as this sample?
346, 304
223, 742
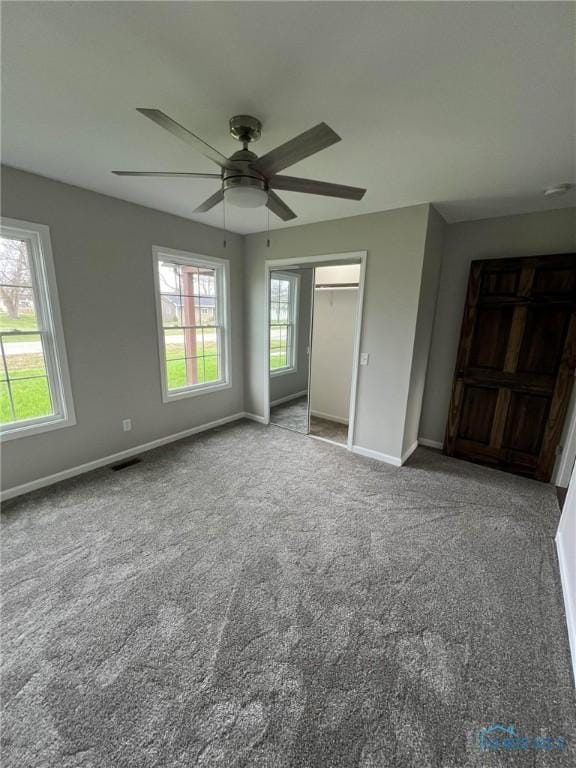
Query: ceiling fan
247, 180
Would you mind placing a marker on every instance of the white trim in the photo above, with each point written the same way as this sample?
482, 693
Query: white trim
370, 454
384, 457
329, 417
222, 268
255, 417
430, 443
45, 292
565, 547
566, 464
569, 598
356, 353
272, 265
80, 469
409, 451
288, 398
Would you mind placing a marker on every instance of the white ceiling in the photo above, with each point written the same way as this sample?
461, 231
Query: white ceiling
468, 105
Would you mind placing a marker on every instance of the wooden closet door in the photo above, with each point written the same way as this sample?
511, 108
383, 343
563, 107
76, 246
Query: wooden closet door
515, 365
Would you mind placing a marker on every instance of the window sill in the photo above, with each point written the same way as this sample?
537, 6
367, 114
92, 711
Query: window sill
36, 428
282, 372
179, 394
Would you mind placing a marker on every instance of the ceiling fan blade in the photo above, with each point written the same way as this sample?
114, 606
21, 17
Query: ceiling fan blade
304, 145
310, 187
213, 200
279, 207
169, 174
184, 134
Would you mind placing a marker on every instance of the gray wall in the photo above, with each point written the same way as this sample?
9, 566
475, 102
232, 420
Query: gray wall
395, 244
103, 260
526, 235
290, 383
429, 283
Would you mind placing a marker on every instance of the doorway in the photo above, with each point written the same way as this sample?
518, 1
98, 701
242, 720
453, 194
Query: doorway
332, 350
313, 343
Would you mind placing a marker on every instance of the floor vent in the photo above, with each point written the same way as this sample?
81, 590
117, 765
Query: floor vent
124, 464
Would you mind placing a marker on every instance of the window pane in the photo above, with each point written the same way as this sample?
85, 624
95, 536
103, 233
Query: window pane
208, 311
274, 289
206, 282
24, 358
193, 342
283, 313
284, 290
189, 303
174, 344
211, 368
176, 374
171, 310
195, 370
31, 398
191, 310
169, 277
17, 310
210, 341
188, 280
14, 262
6, 415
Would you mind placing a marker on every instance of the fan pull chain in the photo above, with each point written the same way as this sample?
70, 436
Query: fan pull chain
224, 221
268, 227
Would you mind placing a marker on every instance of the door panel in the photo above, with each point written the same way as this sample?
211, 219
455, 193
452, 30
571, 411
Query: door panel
525, 422
489, 343
544, 337
479, 403
515, 364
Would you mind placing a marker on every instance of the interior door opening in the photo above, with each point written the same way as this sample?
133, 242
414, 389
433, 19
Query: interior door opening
313, 347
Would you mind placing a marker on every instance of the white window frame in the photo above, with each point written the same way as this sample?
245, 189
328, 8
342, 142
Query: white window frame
222, 270
294, 280
45, 293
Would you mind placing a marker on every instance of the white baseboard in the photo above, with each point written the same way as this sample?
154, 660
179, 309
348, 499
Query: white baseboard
407, 453
329, 417
288, 398
80, 469
370, 454
567, 590
255, 417
430, 443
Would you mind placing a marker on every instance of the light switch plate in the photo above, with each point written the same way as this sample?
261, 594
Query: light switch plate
364, 356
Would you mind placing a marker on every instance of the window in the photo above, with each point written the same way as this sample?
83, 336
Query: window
35, 390
193, 322
283, 317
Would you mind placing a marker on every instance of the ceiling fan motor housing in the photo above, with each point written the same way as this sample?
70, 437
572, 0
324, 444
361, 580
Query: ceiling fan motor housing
245, 128
242, 174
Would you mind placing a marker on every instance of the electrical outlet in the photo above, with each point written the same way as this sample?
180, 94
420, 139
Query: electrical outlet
364, 357
127, 425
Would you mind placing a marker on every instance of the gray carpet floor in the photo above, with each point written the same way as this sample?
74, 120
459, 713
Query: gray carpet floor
253, 598
291, 415
328, 429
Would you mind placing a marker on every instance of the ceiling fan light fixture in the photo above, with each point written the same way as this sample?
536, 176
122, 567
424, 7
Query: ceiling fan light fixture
246, 197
